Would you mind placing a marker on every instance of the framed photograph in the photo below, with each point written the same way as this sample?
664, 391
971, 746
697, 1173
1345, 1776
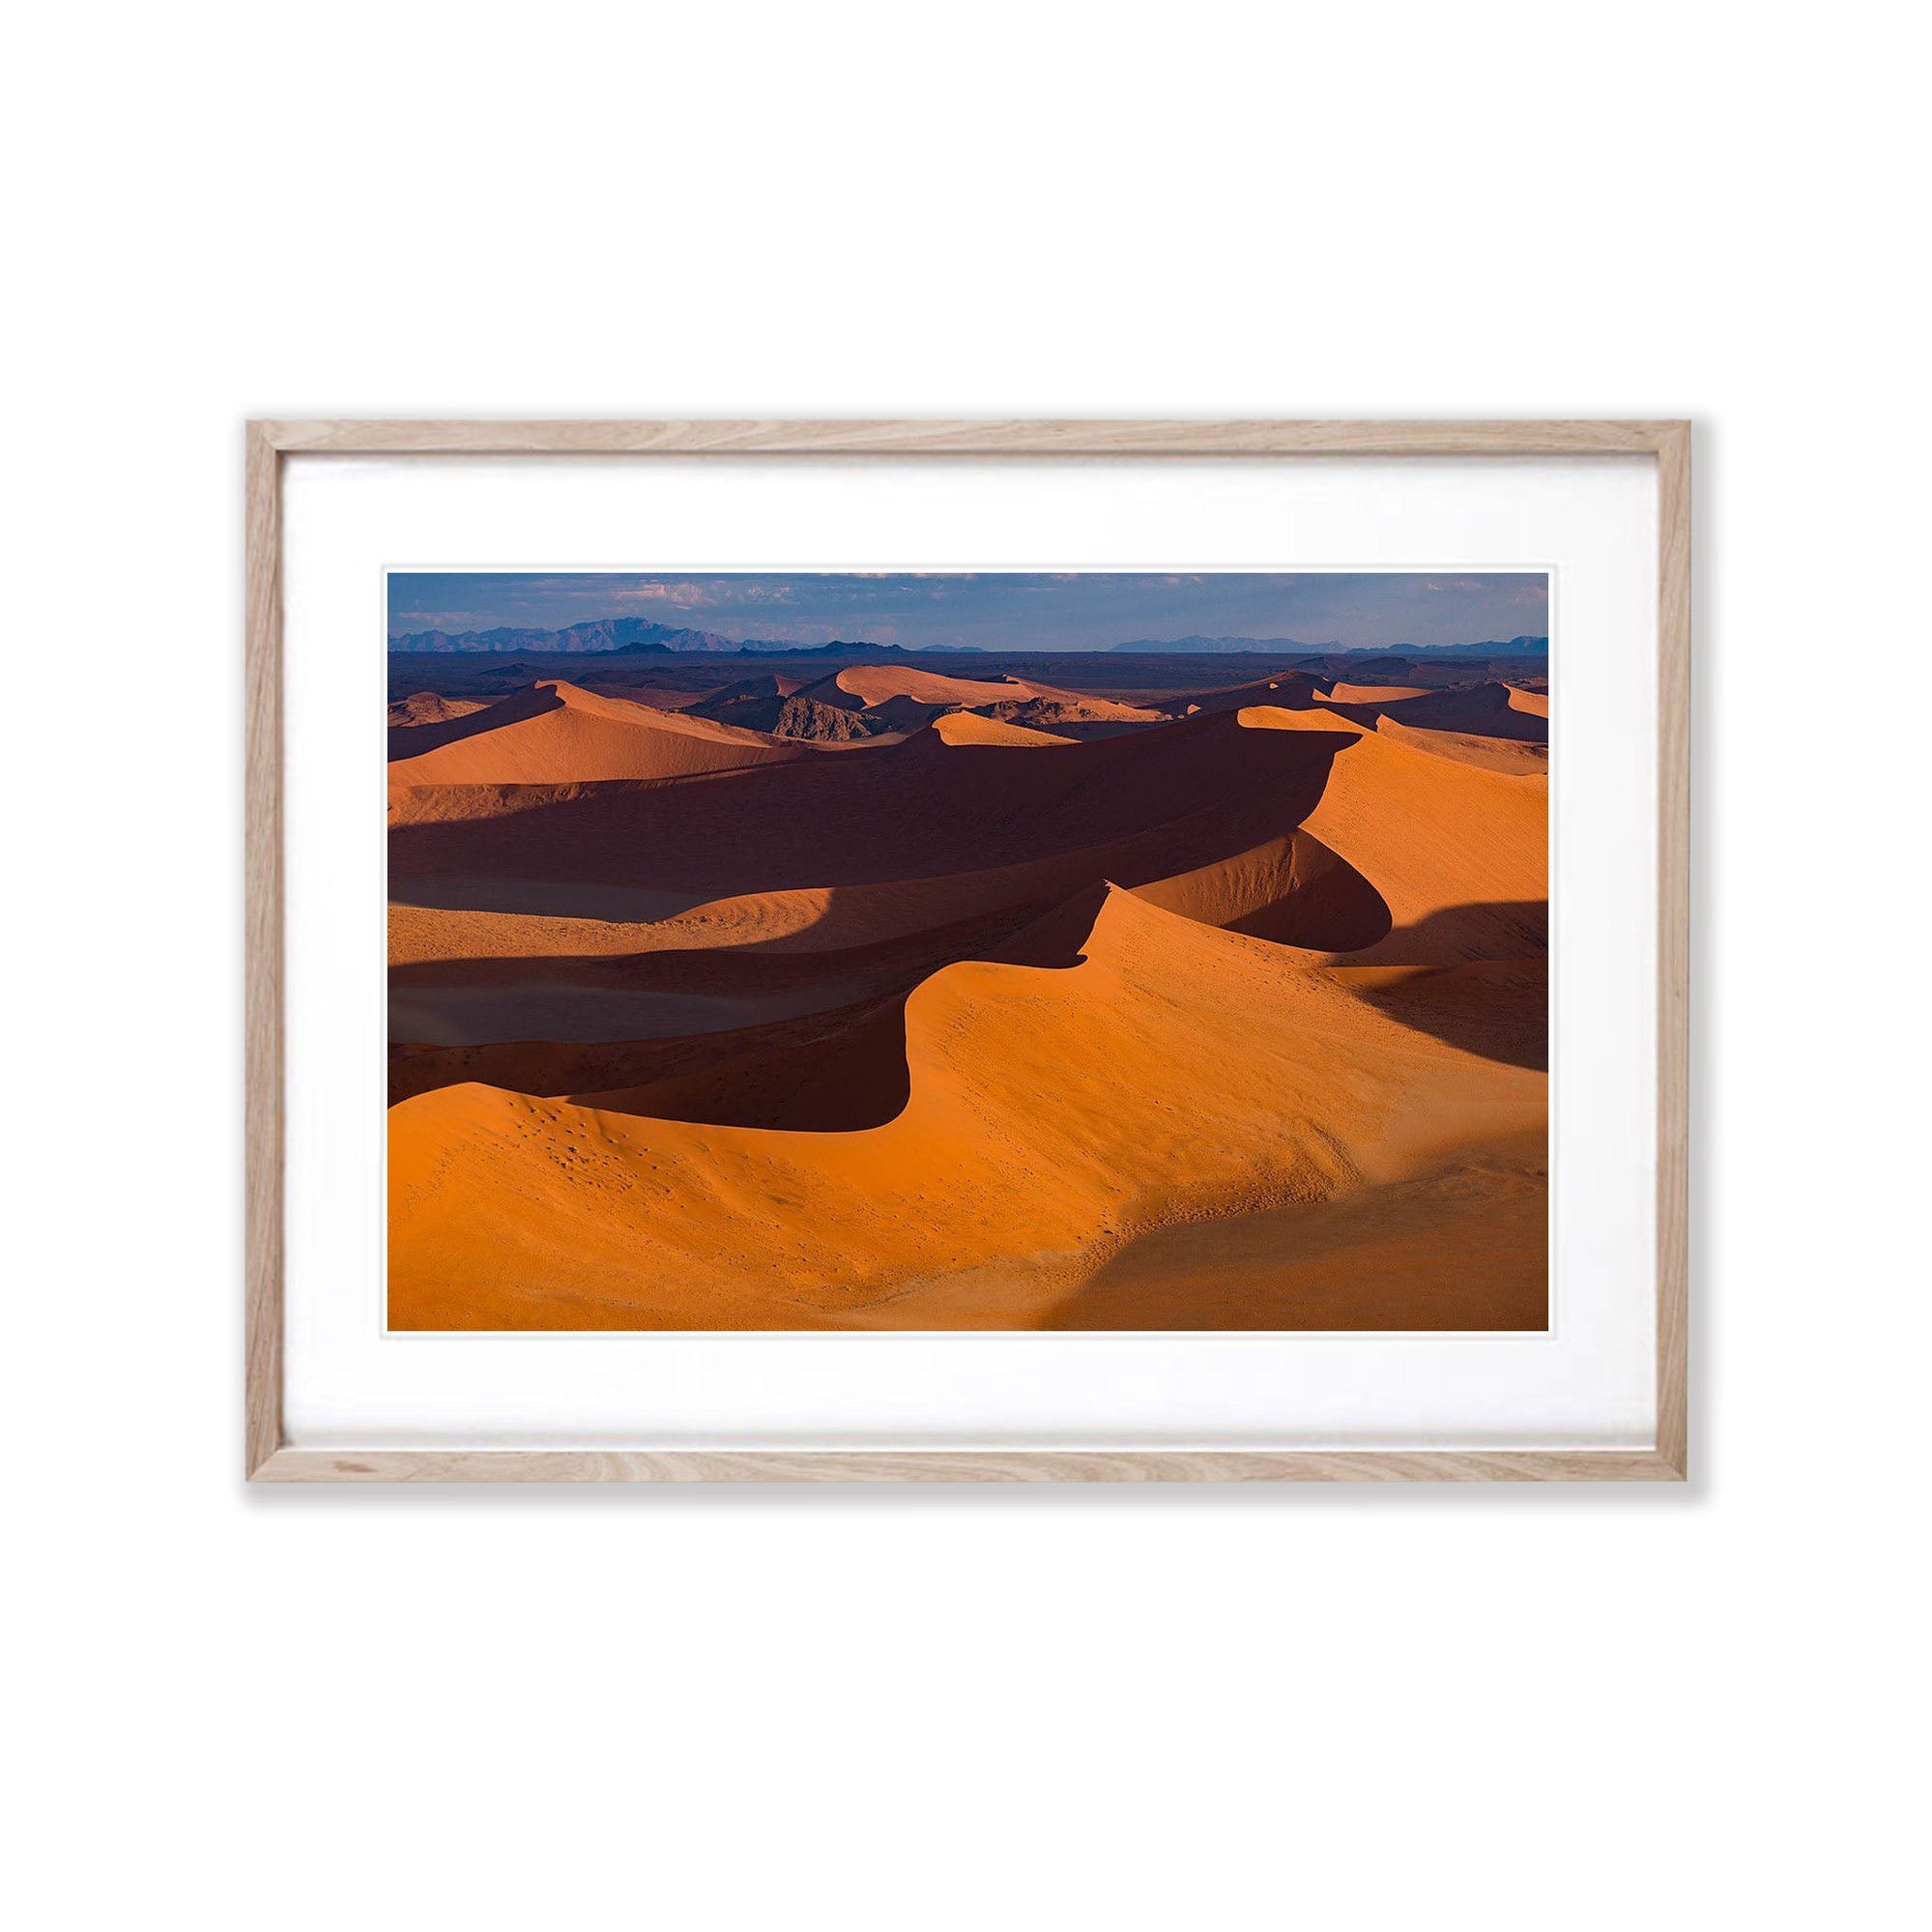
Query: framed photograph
967, 951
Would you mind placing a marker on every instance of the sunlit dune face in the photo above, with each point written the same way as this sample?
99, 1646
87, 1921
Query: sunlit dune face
968, 727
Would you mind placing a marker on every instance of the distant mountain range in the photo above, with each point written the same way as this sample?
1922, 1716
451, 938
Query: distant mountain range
1281, 646
1204, 647
636, 636
600, 635
640, 637
1514, 647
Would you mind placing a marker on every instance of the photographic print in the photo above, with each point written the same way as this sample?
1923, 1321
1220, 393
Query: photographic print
878, 950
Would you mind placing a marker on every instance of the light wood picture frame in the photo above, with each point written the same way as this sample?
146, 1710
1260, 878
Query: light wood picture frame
269, 1456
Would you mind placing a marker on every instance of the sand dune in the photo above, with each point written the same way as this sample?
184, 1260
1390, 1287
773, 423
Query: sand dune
413, 720
875, 815
1069, 708
461, 977
1052, 1117
1521, 758
473, 717
1290, 690
902, 698
660, 988
428, 708
1295, 815
767, 685
1460, 855
821, 919
833, 1071
1484, 710
560, 733
775, 704
879, 683
973, 727
1460, 1246
1292, 890
1371, 694
1226, 1014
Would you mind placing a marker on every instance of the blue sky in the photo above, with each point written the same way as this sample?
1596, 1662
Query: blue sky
1002, 610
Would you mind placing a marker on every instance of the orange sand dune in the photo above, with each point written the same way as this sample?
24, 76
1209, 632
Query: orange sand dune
865, 1039
822, 918
1296, 718
825, 821
1371, 694
630, 1020
879, 683
1292, 890
482, 715
1293, 690
1052, 1118
1460, 855
559, 733
901, 697
663, 988
1461, 1247
971, 728
1448, 838
462, 976
1484, 710
1521, 758
902, 714
1497, 1008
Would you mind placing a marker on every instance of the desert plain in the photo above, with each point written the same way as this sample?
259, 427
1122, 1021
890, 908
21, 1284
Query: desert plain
865, 989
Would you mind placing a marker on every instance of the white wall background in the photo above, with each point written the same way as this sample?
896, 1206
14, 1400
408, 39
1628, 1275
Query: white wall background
884, 1709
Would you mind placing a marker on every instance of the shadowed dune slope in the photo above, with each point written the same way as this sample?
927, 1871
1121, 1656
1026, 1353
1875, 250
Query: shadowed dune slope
461, 977
773, 704
1460, 1248
1288, 690
664, 990
1309, 833
1484, 710
431, 708
878, 814
1460, 855
825, 1072
1068, 708
747, 690
558, 733
413, 720
474, 716
1292, 890
900, 697
1052, 1115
